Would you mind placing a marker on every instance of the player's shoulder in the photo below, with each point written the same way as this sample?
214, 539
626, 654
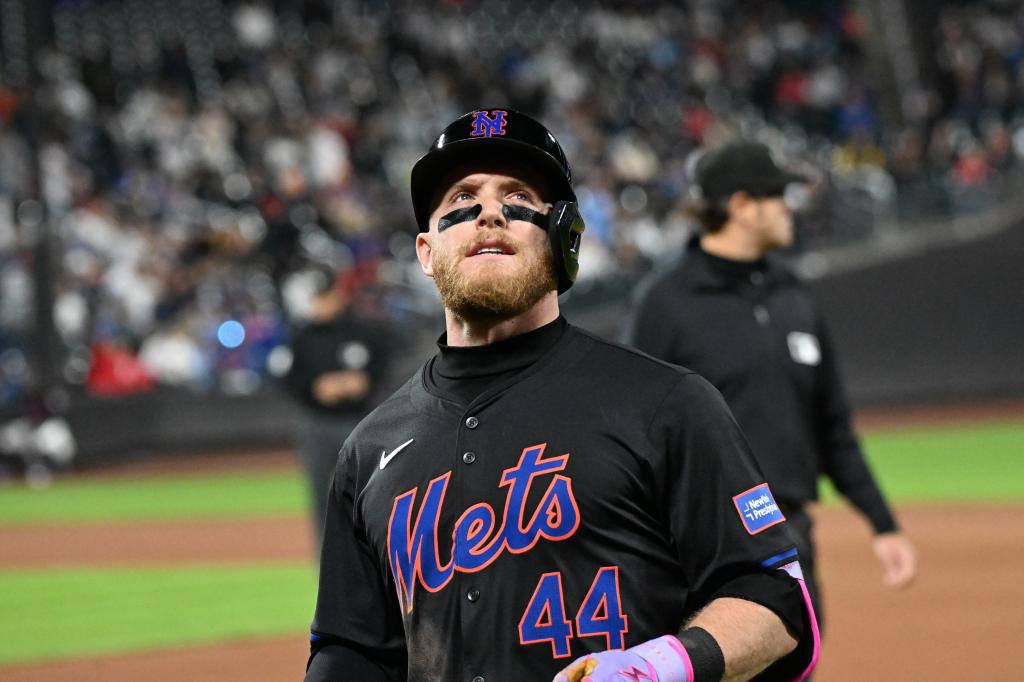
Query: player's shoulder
397, 414
624, 362
395, 409
642, 383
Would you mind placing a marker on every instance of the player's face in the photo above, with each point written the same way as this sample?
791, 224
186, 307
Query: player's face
489, 267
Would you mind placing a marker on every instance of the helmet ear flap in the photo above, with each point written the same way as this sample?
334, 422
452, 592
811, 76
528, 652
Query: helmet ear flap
565, 229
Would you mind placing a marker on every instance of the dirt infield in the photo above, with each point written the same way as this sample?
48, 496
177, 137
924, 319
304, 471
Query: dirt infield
264, 660
155, 542
913, 416
962, 619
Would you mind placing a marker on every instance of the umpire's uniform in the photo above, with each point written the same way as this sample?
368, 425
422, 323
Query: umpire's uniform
753, 330
349, 342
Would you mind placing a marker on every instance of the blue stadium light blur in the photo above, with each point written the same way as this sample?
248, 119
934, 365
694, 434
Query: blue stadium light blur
231, 334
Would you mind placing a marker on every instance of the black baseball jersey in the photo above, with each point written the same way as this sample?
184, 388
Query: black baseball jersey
594, 498
754, 331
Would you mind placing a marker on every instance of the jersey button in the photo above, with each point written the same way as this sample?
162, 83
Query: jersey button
469, 458
757, 278
479, 678
473, 595
472, 423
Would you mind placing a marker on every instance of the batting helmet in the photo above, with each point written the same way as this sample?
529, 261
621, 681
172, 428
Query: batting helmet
508, 136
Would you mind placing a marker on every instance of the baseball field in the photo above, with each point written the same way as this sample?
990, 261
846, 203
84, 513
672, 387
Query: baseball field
201, 568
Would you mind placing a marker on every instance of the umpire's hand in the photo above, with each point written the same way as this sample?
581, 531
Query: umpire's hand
898, 559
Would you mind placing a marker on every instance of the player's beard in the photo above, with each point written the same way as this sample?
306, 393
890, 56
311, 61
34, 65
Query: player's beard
492, 290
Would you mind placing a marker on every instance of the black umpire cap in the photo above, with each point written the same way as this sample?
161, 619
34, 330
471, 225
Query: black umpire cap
742, 166
491, 134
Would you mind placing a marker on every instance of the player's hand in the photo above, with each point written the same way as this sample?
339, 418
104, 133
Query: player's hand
898, 559
607, 666
577, 670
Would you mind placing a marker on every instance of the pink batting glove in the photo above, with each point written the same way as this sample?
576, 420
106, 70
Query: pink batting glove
659, 660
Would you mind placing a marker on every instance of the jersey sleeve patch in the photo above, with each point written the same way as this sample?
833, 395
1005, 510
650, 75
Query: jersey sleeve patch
758, 509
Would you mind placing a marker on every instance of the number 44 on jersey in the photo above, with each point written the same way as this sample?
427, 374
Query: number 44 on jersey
600, 614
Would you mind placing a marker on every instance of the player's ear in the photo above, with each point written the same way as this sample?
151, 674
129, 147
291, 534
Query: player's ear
424, 252
738, 201
741, 205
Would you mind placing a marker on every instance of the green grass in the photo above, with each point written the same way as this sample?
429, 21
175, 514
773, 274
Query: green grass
179, 497
51, 614
957, 463
980, 463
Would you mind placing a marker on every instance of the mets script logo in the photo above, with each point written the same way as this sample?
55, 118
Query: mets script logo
477, 541
485, 126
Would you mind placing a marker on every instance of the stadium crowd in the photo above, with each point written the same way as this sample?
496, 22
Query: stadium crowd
195, 156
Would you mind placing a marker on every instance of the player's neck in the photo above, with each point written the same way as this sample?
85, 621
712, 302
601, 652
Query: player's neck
732, 243
467, 332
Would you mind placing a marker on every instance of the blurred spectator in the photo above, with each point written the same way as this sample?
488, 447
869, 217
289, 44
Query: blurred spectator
115, 371
193, 153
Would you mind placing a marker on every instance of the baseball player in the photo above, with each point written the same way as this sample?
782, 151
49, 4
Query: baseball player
752, 329
535, 501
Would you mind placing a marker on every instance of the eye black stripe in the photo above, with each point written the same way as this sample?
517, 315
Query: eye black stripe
511, 212
459, 215
523, 213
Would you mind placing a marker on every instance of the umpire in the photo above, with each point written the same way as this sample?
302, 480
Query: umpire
339, 362
750, 327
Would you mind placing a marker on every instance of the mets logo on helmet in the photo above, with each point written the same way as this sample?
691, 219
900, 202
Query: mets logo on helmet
485, 126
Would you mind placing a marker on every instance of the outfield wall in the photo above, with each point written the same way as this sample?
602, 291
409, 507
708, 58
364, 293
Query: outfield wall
946, 324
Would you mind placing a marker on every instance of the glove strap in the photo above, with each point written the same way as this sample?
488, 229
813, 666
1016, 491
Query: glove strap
668, 657
691, 656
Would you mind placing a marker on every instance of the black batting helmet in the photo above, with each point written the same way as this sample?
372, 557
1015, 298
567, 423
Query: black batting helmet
507, 136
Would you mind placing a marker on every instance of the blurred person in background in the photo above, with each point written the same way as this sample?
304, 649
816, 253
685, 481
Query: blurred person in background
338, 360
751, 328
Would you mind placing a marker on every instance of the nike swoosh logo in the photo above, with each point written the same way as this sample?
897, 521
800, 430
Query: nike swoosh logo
385, 457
